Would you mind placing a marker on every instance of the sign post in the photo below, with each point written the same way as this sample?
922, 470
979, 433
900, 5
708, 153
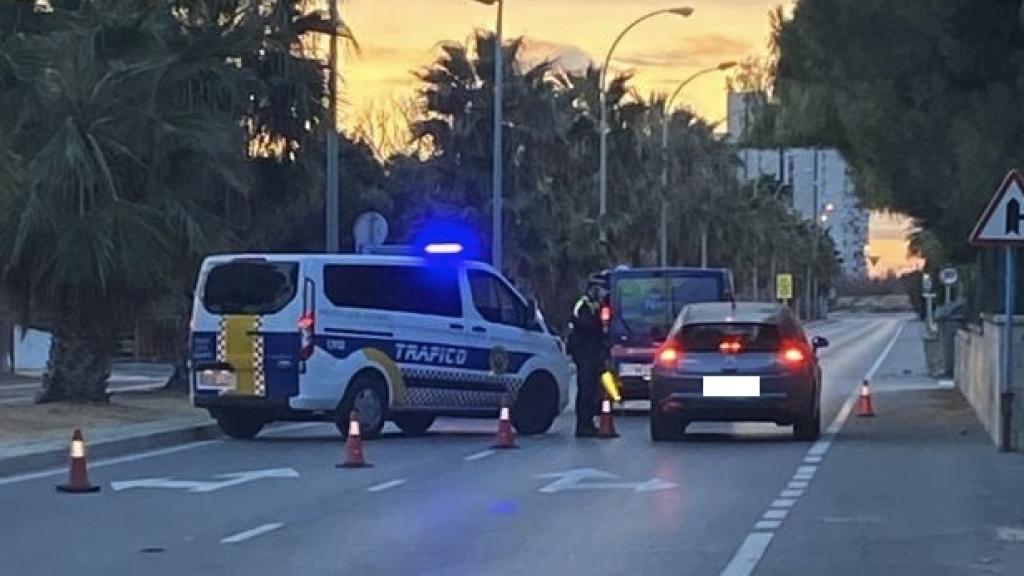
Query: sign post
1000, 225
949, 277
929, 299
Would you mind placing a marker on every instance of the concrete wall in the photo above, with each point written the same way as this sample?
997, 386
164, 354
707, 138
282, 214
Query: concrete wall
976, 371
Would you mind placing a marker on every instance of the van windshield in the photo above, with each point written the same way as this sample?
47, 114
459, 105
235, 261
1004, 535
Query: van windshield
647, 307
250, 287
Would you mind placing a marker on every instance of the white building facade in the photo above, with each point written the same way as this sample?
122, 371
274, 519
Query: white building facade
822, 185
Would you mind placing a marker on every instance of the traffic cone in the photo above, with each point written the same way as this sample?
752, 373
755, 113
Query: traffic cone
864, 406
506, 437
607, 427
78, 473
354, 457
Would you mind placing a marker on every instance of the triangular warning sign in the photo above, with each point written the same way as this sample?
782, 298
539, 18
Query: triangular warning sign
1003, 219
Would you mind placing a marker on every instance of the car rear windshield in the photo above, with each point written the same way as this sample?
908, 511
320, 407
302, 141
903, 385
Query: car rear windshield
647, 307
250, 287
751, 337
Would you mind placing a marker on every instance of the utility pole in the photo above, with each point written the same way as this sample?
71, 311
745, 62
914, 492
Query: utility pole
332, 202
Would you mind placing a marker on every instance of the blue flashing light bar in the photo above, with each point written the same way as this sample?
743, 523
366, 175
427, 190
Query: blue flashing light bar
444, 248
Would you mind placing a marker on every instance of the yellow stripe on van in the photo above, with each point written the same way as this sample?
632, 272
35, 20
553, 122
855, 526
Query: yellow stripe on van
239, 350
391, 369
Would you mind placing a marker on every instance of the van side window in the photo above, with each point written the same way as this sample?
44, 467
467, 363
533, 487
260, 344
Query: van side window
414, 289
495, 301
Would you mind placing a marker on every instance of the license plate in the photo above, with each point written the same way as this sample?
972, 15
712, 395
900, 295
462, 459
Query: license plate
635, 371
732, 386
218, 379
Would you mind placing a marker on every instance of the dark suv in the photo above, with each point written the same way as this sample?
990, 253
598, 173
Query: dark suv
643, 304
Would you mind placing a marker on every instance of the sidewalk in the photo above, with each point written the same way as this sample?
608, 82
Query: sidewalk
35, 436
919, 489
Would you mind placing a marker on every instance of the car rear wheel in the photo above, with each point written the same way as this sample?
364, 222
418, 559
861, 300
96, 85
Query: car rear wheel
239, 425
664, 428
536, 405
367, 394
808, 427
414, 423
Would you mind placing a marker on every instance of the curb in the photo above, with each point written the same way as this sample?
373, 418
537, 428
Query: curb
102, 449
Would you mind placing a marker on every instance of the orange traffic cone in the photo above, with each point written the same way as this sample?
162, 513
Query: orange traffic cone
864, 406
505, 438
607, 427
78, 474
354, 457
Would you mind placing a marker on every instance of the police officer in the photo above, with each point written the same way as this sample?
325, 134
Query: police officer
586, 344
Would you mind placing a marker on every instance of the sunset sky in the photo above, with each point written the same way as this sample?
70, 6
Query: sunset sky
399, 36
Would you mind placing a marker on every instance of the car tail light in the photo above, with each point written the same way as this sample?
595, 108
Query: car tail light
793, 355
307, 327
669, 356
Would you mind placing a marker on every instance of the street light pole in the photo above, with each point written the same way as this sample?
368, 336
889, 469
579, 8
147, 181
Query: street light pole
332, 202
602, 175
666, 115
497, 160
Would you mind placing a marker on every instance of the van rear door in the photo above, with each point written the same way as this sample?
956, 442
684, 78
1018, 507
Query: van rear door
257, 309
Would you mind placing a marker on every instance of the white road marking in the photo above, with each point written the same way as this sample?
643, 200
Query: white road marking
138, 456
756, 543
749, 554
478, 456
1010, 534
206, 486
257, 531
386, 485
109, 461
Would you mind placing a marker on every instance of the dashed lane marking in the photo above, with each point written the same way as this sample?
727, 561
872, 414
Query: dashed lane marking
756, 543
478, 456
248, 534
386, 485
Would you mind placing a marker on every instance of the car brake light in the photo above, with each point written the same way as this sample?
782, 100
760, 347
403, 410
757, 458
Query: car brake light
307, 327
730, 347
668, 357
606, 314
793, 355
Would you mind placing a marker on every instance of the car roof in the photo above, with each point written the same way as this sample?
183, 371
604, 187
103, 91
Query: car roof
366, 259
740, 312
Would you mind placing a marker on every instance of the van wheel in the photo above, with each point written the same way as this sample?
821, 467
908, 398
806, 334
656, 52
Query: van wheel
413, 423
536, 405
239, 426
367, 394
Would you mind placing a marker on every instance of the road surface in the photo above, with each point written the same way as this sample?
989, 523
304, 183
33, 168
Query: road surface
729, 499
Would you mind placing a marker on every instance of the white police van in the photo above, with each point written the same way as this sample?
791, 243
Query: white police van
315, 336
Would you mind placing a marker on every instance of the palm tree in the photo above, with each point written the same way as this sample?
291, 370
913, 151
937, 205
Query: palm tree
117, 158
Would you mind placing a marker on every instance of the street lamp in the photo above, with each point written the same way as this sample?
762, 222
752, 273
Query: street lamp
602, 178
663, 227
332, 201
497, 167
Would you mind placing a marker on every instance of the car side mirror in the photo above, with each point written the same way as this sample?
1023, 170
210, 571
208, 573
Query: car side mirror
820, 342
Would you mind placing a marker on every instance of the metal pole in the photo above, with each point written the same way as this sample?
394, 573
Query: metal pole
663, 224
497, 225
332, 200
1006, 397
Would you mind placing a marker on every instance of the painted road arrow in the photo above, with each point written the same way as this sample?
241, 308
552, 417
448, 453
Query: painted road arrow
203, 486
577, 479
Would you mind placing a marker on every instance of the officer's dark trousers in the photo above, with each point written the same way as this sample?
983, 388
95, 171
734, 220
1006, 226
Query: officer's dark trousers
588, 382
